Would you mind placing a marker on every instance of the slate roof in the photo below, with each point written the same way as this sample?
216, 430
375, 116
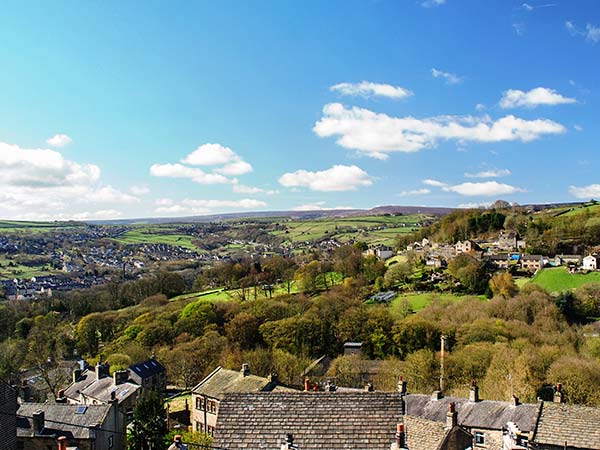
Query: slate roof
100, 389
424, 434
317, 420
222, 381
578, 426
147, 368
486, 414
61, 412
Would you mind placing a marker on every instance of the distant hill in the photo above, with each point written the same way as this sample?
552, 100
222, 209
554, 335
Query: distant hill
299, 215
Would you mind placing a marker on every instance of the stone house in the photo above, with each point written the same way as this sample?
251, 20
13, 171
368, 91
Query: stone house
532, 263
501, 261
465, 246
97, 387
208, 394
87, 427
149, 374
8, 416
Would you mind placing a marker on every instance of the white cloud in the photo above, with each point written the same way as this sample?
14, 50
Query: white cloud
473, 205
316, 206
431, 3
514, 98
367, 89
585, 192
492, 173
210, 155
41, 183
423, 191
242, 189
376, 135
202, 206
578, 127
59, 140
337, 178
519, 28
235, 168
591, 32
480, 107
434, 183
180, 171
485, 189
139, 190
450, 78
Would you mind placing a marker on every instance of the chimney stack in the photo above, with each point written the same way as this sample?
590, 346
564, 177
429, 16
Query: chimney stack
61, 397
474, 392
329, 386
120, 376
102, 370
307, 384
369, 387
273, 378
76, 375
288, 444
113, 396
400, 441
437, 395
62, 443
38, 421
402, 388
558, 394
515, 400
451, 416
25, 391
245, 369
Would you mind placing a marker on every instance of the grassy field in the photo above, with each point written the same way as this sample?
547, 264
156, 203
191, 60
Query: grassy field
557, 279
21, 271
420, 301
13, 226
156, 235
370, 229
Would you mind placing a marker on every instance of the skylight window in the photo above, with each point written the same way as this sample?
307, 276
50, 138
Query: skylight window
81, 410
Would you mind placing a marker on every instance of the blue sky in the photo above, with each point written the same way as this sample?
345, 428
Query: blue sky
138, 109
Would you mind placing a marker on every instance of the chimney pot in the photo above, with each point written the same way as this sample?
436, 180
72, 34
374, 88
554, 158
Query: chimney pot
62, 443
451, 416
400, 436
558, 394
369, 387
307, 384
515, 400
402, 386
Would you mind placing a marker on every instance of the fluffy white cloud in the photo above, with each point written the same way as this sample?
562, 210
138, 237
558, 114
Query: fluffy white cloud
337, 178
492, 173
480, 107
423, 191
434, 183
318, 206
473, 205
585, 192
376, 135
514, 98
41, 184
243, 189
368, 89
194, 206
180, 171
450, 78
206, 155
485, 189
59, 140
591, 32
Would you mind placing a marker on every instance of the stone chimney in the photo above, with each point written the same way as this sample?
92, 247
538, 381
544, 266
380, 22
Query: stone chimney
76, 375
369, 387
451, 416
62, 443
437, 395
474, 392
515, 401
113, 396
38, 421
402, 387
102, 370
400, 440
61, 397
558, 394
120, 376
245, 369
330, 386
273, 378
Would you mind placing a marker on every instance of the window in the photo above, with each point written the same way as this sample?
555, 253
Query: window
479, 438
199, 426
211, 406
200, 403
110, 442
210, 430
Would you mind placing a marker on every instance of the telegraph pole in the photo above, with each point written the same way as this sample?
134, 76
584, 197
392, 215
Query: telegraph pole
443, 343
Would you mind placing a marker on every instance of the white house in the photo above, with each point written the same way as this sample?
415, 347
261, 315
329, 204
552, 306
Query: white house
590, 262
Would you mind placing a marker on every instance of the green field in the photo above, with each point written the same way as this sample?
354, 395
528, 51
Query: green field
558, 279
13, 226
156, 235
420, 301
370, 229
